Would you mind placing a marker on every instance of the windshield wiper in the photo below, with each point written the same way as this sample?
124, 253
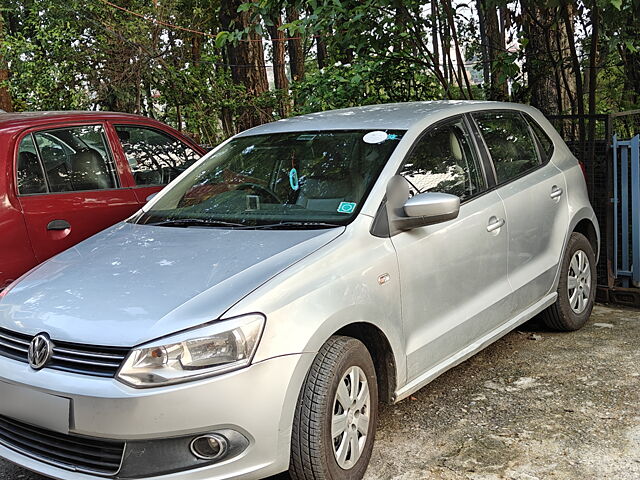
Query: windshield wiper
195, 222
297, 225
200, 222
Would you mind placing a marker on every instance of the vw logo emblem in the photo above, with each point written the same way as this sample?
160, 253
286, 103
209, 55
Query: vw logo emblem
40, 351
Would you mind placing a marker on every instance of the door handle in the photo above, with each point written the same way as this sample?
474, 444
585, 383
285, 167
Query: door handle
495, 224
58, 225
556, 192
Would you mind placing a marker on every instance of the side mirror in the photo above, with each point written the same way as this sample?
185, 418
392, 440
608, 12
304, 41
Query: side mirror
150, 197
424, 209
431, 208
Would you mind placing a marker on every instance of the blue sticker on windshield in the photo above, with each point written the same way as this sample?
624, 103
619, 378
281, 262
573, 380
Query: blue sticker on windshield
346, 207
293, 179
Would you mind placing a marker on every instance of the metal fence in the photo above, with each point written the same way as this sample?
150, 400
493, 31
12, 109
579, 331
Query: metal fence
626, 210
590, 138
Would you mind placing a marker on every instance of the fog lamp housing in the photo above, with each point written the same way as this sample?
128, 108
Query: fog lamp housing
209, 447
157, 457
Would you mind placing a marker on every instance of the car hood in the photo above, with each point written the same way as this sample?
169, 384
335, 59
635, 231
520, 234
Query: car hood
134, 283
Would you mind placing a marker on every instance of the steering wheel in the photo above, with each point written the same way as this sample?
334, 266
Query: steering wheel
260, 188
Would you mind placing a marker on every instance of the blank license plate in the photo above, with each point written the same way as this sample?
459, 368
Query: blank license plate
34, 407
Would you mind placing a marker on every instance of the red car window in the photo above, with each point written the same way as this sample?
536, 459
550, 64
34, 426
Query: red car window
154, 157
76, 159
30, 175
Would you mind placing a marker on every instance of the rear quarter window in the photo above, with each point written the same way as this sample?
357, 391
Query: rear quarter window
545, 143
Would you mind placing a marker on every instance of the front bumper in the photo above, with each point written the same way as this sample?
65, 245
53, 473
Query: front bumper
258, 402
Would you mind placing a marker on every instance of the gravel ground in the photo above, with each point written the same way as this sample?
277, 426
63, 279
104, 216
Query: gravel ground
534, 405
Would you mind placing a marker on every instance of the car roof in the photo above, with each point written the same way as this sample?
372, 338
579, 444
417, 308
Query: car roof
16, 119
389, 116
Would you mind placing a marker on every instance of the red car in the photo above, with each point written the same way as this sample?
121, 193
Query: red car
68, 175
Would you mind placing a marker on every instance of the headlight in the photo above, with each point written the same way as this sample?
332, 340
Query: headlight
216, 348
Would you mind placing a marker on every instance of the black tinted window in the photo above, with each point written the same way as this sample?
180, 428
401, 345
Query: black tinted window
155, 158
546, 144
30, 176
510, 144
76, 158
444, 161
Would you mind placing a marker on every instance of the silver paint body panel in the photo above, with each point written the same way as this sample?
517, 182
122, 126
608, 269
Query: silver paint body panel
452, 289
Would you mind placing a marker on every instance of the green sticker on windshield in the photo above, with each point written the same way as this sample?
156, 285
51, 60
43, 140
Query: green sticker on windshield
346, 207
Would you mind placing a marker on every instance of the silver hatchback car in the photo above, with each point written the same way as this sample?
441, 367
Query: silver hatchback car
251, 317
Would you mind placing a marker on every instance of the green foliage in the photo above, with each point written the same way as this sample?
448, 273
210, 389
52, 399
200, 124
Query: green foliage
80, 54
48, 59
366, 81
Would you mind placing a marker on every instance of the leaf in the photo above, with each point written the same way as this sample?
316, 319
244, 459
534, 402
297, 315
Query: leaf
222, 38
616, 3
244, 7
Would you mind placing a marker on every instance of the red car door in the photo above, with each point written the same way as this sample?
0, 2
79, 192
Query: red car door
79, 190
154, 156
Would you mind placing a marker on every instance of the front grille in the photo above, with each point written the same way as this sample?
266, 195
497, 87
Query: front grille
81, 454
69, 357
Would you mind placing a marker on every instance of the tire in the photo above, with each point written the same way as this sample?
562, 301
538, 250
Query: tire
570, 312
313, 449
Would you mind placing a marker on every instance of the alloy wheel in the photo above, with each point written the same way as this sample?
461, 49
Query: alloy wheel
579, 282
350, 419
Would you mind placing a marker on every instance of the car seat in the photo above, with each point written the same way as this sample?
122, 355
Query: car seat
89, 171
30, 177
326, 187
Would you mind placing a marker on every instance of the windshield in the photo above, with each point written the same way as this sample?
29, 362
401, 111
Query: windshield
286, 180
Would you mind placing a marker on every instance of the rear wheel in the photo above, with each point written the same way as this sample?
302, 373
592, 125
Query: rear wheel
576, 288
336, 415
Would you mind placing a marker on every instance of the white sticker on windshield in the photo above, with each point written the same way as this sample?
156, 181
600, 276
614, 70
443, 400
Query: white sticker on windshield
375, 137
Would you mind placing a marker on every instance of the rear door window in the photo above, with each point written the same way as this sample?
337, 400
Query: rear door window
510, 144
73, 159
155, 158
30, 176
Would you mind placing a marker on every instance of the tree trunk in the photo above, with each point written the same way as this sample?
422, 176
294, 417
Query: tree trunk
279, 66
577, 74
484, 48
462, 72
296, 52
631, 60
434, 34
593, 56
445, 46
247, 62
322, 55
6, 103
540, 64
567, 83
498, 89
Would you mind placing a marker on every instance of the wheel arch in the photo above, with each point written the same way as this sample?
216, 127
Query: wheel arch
381, 352
585, 222
588, 229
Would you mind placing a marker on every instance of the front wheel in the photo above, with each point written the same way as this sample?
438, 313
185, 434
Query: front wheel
576, 288
336, 415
